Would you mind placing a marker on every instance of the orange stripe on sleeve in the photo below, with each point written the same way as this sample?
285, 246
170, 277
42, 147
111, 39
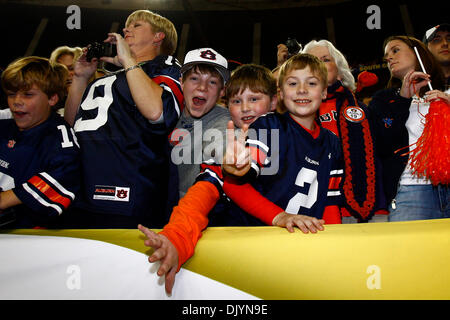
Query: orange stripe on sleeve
334, 183
189, 218
49, 192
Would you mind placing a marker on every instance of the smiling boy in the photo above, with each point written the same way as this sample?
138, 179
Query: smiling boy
38, 151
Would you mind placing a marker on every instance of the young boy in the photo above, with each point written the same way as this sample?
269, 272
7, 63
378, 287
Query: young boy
251, 93
200, 131
308, 157
39, 153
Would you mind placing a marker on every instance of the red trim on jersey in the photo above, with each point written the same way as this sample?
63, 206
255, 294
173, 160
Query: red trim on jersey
173, 86
49, 192
314, 133
258, 155
334, 183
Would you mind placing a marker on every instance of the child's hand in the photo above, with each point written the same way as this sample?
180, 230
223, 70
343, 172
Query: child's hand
304, 223
237, 159
165, 252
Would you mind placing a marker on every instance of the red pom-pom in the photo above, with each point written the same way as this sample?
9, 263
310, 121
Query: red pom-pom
431, 157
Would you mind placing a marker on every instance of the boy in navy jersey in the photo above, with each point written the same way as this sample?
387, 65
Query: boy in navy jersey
190, 217
39, 154
301, 169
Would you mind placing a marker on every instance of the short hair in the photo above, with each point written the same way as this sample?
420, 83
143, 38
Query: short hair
432, 66
75, 52
159, 24
348, 80
23, 73
298, 62
203, 69
255, 77
301, 61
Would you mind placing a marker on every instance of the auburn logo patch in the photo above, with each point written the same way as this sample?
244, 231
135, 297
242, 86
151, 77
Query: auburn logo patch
208, 54
122, 194
11, 144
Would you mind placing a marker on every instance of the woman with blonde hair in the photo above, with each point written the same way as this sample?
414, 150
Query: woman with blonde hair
122, 121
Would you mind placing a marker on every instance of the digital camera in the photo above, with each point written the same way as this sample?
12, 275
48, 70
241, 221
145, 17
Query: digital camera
293, 46
97, 50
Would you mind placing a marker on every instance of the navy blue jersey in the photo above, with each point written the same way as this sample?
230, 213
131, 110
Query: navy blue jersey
41, 165
297, 172
125, 157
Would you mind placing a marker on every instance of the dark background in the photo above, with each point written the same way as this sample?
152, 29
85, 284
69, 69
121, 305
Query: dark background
230, 32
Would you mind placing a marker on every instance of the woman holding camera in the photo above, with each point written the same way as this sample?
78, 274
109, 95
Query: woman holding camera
122, 121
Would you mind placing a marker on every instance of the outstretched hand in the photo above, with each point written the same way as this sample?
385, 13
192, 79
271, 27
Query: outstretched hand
304, 223
237, 160
165, 252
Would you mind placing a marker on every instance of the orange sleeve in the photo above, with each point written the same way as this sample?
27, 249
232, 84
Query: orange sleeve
189, 218
332, 215
251, 201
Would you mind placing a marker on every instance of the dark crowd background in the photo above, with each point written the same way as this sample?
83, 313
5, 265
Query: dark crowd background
231, 31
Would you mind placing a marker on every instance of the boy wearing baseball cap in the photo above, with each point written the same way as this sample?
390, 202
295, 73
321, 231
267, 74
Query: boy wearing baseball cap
437, 40
201, 130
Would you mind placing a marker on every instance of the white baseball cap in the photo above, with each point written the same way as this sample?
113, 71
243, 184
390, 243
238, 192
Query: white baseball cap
207, 56
430, 33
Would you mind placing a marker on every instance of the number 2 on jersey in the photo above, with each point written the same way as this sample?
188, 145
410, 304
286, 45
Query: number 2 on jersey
305, 175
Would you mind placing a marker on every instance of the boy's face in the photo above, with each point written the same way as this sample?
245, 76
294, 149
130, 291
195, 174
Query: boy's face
302, 94
201, 92
247, 106
30, 107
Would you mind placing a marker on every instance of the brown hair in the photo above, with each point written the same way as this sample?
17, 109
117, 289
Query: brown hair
203, 69
254, 77
23, 73
430, 63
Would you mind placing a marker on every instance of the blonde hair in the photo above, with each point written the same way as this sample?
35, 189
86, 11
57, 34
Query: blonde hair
348, 80
75, 52
159, 24
299, 62
23, 73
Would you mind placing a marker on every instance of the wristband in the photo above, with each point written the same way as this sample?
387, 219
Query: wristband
133, 67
